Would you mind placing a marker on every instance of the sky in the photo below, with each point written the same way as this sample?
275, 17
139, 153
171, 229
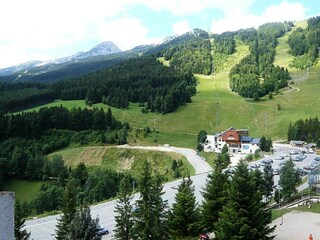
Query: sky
49, 29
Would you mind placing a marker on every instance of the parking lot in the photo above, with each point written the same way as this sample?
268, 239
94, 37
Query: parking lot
303, 160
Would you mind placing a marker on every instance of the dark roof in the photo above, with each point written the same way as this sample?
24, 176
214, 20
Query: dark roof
255, 141
246, 139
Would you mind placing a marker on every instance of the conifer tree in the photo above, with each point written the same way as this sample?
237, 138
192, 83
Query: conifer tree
184, 218
142, 218
244, 216
83, 226
159, 210
68, 209
289, 179
19, 223
123, 218
268, 179
214, 197
150, 220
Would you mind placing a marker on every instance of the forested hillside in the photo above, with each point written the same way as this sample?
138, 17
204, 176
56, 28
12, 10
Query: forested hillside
143, 80
305, 130
304, 44
15, 97
193, 56
256, 76
26, 137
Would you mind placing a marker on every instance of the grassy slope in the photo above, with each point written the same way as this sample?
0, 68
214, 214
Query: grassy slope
123, 159
24, 190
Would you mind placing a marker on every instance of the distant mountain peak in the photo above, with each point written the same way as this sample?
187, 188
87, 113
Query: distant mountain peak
103, 48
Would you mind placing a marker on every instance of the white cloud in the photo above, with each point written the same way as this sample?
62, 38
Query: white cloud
186, 7
181, 27
285, 11
126, 32
40, 26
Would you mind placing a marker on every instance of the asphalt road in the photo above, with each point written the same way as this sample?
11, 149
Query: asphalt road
44, 228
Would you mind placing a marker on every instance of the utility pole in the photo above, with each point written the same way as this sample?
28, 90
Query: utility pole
217, 115
252, 108
133, 187
266, 120
211, 126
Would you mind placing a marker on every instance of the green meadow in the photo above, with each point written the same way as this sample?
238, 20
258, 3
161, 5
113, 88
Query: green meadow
24, 190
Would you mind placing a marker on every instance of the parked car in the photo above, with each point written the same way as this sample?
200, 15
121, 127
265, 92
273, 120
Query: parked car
278, 158
297, 159
294, 152
256, 165
316, 159
101, 230
307, 168
302, 172
266, 161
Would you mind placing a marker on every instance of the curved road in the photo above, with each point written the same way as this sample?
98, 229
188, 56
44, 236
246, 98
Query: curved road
44, 228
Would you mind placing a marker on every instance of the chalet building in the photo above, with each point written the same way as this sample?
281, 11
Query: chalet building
237, 141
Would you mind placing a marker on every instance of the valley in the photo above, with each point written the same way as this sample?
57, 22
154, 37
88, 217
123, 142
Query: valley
147, 106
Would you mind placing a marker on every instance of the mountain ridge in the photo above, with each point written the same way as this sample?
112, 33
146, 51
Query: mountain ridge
101, 49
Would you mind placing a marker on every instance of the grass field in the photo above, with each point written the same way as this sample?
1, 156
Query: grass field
122, 160
24, 190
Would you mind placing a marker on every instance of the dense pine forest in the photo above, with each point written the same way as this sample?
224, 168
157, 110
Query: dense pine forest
18, 96
256, 76
193, 56
305, 130
304, 44
143, 80
26, 137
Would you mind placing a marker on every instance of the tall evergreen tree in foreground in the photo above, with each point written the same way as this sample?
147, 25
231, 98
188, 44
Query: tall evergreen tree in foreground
159, 210
244, 216
83, 226
19, 223
143, 220
68, 209
150, 219
214, 197
124, 222
184, 218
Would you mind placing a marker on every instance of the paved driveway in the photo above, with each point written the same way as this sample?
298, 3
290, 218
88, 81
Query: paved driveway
297, 226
